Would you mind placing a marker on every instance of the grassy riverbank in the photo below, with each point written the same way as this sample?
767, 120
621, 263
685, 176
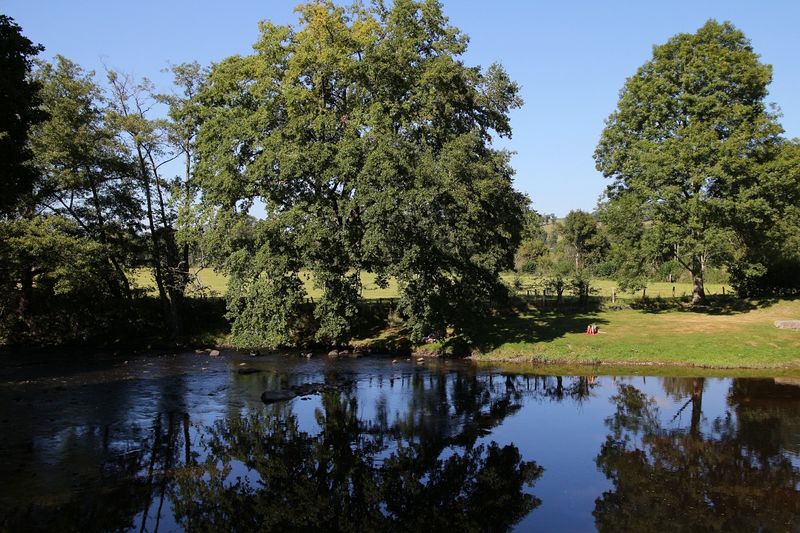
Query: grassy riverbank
729, 334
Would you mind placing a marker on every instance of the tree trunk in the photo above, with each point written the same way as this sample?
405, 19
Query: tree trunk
101, 223
697, 406
698, 291
155, 251
173, 274
26, 292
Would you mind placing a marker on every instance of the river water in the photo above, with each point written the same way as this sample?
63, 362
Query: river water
183, 441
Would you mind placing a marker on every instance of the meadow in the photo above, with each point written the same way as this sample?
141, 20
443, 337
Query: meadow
728, 334
213, 283
657, 331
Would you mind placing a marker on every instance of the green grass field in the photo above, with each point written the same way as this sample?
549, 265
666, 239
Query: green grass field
719, 337
729, 334
208, 280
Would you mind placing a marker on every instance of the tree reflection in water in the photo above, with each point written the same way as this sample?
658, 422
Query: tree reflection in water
721, 479
264, 473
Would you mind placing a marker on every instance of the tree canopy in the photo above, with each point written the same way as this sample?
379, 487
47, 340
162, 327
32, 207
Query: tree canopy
685, 145
18, 112
369, 143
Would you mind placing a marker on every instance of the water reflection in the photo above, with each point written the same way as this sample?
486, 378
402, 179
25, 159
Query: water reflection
395, 451
264, 473
186, 443
729, 475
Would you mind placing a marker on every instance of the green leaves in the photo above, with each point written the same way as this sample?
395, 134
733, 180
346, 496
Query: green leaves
681, 143
369, 144
18, 112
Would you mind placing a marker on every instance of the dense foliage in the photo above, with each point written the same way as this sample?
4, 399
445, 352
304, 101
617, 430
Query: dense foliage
83, 199
686, 149
566, 255
368, 141
368, 144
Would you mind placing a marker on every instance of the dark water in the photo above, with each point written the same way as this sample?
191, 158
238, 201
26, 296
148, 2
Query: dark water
184, 442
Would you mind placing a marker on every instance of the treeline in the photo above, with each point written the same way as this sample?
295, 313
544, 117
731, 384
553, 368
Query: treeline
360, 132
368, 143
703, 180
85, 200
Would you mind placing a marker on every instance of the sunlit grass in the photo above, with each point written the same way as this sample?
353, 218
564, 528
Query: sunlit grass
678, 336
211, 282
207, 279
604, 287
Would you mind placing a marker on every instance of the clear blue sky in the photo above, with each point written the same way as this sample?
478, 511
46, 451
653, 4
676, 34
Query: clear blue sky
571, 59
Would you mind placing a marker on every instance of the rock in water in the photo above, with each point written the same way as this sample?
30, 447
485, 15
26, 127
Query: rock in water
787, 324
213, 353
248, 370
306, 389
273, 396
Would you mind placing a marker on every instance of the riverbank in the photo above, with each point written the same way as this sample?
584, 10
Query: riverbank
728, 334
736, 335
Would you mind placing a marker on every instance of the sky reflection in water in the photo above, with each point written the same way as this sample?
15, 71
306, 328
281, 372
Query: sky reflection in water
185, 442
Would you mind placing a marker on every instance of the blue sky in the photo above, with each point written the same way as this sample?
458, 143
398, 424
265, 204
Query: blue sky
570, 57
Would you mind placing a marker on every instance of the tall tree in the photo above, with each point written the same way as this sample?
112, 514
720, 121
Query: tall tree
685, 141
82, 172
18, 112
183, 123
147, 140
369, 143
70, 243
581, 232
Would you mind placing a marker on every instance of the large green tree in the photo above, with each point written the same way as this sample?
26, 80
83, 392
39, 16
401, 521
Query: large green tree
368, 141
685, 144
768, 224
82, 171
67, 246
18, 112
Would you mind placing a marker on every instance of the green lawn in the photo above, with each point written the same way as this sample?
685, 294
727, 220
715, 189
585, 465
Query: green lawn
208, 279
603, 287
722, 338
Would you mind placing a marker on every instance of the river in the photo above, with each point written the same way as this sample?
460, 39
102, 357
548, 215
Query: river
184, 442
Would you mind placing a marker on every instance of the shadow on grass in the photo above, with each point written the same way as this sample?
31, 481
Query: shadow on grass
715, 305
533, 325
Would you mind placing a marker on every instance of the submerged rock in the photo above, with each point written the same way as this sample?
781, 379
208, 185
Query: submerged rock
249, 370
307, 389
274, 396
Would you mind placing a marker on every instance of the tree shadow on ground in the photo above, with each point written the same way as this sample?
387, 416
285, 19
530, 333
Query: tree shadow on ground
534, 325
715, 305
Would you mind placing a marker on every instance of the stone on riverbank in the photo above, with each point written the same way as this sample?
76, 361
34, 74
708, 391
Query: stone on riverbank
787, 324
